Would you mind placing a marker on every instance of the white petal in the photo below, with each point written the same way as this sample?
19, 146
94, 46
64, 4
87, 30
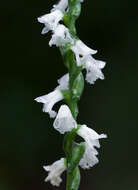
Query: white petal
51, 20
81, 52
100, 64
64, 121
61, 36
47, 168
81, 49
89, 158
55, 170
45, 30
49, 100
63, 82
92, 140
62, 5
86, 132
93, 68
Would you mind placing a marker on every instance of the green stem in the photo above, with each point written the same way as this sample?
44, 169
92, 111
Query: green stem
76, 85
73, 179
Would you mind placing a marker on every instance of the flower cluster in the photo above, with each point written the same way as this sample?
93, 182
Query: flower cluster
64, 120
61, 36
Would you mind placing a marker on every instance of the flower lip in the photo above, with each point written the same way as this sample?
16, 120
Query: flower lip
61, 36
51, 20
93, 68
55, 170
51, 17
92, 140
82, 52
81, 49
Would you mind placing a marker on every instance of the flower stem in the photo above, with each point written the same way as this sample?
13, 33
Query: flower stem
76, 85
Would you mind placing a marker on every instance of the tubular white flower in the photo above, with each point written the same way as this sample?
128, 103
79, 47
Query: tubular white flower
49, 100
84, 58
93, 68
62, 5
64, 121
55, 170
81, 51
92, 140
50, 20
63, 82
61, 36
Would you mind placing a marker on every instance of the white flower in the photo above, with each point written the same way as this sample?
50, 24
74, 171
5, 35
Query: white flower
81, 51
50, 20
55, 170
49, 100
64, 121
92, 140
93, 68
63, 82
62, 5
84, 58
61, 36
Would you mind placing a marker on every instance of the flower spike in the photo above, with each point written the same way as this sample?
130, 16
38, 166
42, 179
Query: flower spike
77, 56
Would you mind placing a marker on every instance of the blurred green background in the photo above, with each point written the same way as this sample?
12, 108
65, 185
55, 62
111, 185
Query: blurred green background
29, 68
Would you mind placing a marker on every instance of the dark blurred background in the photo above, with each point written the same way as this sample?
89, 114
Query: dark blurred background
29, 68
